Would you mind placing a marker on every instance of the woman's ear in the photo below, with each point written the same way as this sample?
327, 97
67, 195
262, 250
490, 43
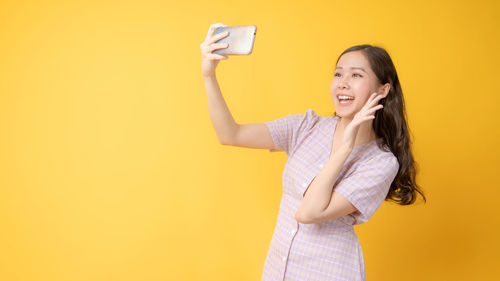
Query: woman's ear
384, 90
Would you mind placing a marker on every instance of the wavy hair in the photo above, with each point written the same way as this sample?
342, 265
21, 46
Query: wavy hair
390, 125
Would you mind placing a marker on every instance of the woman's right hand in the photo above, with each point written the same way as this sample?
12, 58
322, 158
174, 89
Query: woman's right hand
210, 61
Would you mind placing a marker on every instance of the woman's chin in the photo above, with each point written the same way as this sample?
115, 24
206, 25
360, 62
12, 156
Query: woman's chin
344, 113
346, 108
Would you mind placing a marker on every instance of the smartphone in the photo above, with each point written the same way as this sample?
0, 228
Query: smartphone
240, 39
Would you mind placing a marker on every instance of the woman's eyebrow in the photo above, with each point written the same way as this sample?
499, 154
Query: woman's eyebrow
353, 68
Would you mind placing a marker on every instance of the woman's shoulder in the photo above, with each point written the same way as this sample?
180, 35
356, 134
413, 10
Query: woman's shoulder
382, 155
375, 153
312, 116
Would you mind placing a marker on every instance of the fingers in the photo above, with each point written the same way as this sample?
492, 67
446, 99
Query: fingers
211, 38
217, 37
372, 100
212, 28
367, 112
376, 97
218, 46
373, 109
213, 46
216, 57
208, 50
371, 106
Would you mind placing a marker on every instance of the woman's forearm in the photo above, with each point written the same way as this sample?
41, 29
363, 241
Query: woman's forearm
318, 195
222, 120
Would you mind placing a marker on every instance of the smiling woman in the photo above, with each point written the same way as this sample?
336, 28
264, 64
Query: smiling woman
364, 69
340, 168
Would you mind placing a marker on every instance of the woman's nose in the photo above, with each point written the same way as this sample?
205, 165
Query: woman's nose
343, 83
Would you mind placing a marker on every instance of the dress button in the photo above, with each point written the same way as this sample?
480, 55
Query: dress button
284, 258
304, 184
292, 231
321, 165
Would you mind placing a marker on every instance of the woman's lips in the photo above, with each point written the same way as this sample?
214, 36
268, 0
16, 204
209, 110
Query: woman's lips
345, 102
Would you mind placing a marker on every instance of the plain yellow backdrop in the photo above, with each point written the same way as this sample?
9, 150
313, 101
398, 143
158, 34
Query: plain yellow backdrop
110, 168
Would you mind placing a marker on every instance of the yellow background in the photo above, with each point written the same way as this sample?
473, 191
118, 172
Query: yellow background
110, 168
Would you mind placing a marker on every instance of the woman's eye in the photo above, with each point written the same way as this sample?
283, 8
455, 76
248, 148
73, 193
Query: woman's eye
338, 74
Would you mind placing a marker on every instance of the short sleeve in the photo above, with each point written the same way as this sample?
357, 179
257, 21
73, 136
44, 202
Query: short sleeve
368, 185
286, 131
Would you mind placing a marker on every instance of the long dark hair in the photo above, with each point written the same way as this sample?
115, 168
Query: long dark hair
390, 125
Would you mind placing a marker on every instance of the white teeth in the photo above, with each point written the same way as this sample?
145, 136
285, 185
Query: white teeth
345, 98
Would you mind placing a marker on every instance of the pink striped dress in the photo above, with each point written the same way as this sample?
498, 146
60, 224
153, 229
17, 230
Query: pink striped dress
328, 250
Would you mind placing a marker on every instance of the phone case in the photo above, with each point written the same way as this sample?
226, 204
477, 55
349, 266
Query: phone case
241, 39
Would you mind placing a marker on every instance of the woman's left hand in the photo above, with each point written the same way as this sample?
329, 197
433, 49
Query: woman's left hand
367, 112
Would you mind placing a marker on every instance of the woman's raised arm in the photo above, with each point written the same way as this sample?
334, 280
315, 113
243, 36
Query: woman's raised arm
227, 130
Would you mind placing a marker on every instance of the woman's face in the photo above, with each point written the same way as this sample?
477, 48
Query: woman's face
353, 77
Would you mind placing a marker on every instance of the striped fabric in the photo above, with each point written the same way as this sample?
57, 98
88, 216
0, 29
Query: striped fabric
328, 250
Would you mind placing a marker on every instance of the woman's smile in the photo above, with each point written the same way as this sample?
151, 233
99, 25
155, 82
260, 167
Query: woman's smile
344, 99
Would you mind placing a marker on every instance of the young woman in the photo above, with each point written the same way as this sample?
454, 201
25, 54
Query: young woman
340, 168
